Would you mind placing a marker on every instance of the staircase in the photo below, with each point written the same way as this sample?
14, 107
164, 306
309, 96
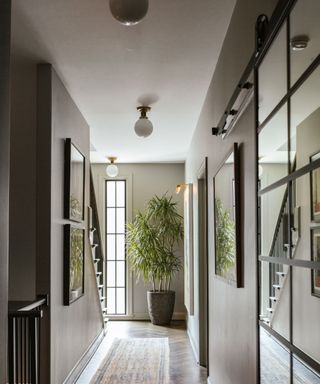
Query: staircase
278, 273
97, 249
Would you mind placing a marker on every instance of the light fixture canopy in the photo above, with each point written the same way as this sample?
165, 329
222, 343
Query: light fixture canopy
129, 12
112, 170
143, 126
299, 43
181, 187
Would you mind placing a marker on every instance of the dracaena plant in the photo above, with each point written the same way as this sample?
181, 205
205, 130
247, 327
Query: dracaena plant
152, 241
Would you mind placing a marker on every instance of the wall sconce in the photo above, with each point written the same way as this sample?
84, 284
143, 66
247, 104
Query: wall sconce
182, 187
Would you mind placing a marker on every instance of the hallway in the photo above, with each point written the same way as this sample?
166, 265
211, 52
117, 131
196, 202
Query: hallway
182, 366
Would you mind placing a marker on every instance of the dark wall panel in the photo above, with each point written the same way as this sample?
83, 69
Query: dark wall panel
5, 15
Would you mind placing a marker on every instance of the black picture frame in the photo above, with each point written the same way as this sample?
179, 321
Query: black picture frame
315, 190
74, 182
228, 267
74, 262
315, 256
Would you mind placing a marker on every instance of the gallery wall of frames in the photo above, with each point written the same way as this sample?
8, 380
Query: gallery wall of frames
287, 98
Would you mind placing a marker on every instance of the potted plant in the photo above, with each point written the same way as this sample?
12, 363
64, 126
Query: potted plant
152, 239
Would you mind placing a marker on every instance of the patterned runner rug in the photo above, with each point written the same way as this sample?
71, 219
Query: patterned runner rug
135, 361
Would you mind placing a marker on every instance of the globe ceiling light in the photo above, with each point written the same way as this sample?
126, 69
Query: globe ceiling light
143, 126
112, 170
129, 12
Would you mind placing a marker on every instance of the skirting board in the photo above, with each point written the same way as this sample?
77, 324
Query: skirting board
193, 347
144, 316
84, 360
209, 381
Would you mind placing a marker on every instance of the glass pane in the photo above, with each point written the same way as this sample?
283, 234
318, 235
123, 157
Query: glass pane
111, 300
111, 220
305, 313
111, 247
275, 297
303, 374
273, 76
304, 27
120, 220
121, 301
302, 202
111, 273
121, 274
305, 116
274, 360
121, 193
120, 247
111, 193
273, 149
274, 223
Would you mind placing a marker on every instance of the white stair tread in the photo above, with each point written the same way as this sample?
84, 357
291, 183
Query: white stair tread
273, 298
270, 310
281, 273
277, 286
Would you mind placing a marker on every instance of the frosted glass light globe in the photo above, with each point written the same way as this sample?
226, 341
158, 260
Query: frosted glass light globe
112, 170
143, 127
129, 12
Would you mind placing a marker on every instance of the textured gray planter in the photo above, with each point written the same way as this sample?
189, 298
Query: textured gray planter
160, 306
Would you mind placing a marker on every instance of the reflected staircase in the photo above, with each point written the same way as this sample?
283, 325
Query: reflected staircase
278, 273
97, 253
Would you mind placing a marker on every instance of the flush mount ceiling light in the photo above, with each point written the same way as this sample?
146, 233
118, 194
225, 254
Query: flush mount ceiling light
112, 170
129, 12
143, 126
299, 43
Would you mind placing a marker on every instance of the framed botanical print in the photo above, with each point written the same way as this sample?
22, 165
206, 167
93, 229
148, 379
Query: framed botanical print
315, 190
315, 256
74, 182
226, 189
74, 247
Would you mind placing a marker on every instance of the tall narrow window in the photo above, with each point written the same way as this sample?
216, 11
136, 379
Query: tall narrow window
115, 247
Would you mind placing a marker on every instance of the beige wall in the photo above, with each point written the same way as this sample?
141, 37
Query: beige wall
232, 311
144, 181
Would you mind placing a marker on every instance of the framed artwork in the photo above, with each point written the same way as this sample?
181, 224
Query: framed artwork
315, 256
188, 250
226, 189
315, 190
73, 263
74, 182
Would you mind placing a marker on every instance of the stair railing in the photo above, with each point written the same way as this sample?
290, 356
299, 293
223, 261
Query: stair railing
24, 354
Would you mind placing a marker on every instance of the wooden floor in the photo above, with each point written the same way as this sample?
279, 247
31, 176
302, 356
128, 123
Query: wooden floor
183, 367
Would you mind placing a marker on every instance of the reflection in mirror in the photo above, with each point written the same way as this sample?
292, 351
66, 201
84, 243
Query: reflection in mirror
273, 76
303, 374
226, 203
305, 116
305, 313
273, 149
275, 360
304, 36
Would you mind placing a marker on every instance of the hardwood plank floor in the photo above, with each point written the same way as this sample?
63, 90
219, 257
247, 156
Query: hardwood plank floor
183, 367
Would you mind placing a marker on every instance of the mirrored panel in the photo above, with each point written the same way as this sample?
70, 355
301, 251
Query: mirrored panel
303, 374
274, 222
274, 360
275, 297
305, 313
305, 115
273, 149
304, 36
273, 76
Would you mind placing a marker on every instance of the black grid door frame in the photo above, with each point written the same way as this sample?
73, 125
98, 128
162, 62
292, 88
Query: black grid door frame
281, 16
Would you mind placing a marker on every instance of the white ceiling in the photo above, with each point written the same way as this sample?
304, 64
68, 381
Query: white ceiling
109, 69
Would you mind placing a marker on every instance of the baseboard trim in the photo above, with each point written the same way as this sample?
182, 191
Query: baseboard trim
142, 316
209, 380
84, 360
193, 346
